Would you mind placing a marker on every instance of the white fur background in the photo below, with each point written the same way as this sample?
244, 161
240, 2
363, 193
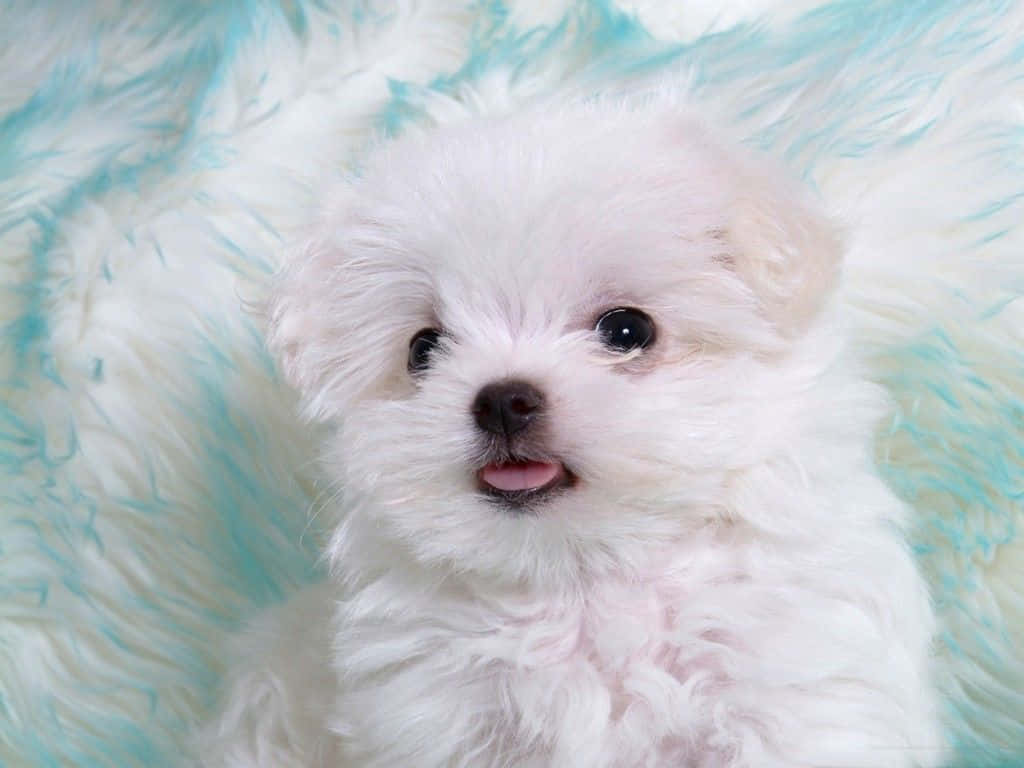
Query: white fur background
155, 486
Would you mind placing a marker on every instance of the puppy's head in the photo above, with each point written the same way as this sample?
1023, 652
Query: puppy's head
548, 340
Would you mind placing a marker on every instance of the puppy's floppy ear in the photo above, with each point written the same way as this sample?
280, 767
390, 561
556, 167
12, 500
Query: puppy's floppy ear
302, 325
341, 311
782, 246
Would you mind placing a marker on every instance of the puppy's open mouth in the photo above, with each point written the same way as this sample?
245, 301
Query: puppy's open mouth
518, 482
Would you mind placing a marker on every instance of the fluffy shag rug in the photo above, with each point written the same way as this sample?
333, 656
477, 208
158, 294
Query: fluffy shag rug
155, 486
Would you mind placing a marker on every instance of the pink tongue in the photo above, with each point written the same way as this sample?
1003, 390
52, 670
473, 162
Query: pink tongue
521, 476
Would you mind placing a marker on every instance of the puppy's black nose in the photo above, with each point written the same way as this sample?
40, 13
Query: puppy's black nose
506, 407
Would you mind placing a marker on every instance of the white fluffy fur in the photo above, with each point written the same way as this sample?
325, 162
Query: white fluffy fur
728, 584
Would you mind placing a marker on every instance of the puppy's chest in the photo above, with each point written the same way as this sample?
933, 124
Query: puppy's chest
622, 678
627, 647
627, 670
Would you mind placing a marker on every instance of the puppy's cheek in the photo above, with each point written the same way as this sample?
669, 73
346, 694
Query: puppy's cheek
637, 439
390, 450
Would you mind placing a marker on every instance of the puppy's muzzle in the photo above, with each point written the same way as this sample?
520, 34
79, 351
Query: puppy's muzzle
504, 408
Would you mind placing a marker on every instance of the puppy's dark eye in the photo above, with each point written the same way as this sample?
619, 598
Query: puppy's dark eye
624, 329
421, 347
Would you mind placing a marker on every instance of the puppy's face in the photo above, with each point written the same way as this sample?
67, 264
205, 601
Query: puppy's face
547, 341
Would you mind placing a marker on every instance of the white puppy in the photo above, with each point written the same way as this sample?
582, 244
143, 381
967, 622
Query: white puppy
607, 495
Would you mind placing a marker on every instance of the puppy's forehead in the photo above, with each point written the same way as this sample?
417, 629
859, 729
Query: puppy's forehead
518, 217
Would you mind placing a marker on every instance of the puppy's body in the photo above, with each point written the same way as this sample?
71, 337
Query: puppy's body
712, 576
